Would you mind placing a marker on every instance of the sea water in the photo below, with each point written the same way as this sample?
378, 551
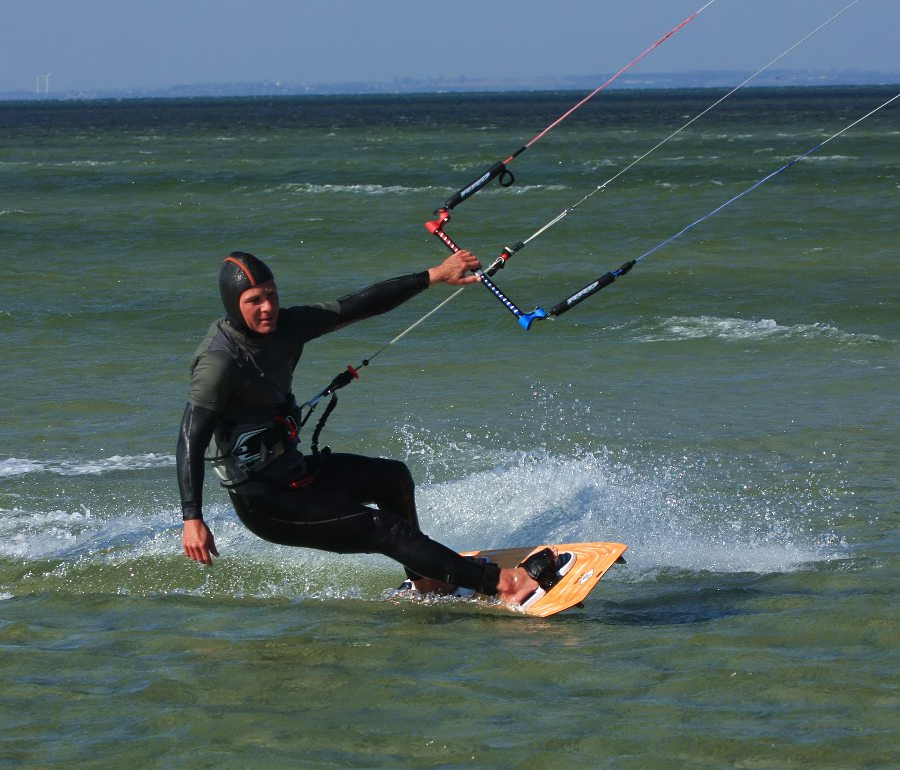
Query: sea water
728, 409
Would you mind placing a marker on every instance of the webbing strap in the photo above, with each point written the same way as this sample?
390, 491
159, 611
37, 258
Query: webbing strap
314, 442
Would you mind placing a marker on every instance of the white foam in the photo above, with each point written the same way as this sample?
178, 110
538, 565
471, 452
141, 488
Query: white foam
673, 513
740, 329
307, 188
14, 466
669, 518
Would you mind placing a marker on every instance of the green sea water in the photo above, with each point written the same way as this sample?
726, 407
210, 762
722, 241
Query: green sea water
728, 409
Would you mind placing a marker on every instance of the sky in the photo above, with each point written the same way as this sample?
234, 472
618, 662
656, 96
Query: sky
96, 45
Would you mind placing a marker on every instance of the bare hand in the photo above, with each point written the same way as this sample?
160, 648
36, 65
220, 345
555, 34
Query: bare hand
453, 269
198, 541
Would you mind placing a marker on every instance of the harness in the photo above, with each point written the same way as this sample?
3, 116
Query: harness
244, 451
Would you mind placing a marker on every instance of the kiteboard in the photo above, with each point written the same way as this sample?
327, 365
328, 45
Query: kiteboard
581, 565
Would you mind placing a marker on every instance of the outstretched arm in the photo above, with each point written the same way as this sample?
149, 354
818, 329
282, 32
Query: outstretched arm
381, 297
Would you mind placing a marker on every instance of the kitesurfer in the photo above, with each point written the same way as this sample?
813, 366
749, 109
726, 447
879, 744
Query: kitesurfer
242, 407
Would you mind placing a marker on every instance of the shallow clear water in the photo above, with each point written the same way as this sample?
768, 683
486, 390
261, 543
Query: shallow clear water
728, 409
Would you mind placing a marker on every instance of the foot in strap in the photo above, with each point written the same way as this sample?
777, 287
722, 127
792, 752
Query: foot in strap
547, 568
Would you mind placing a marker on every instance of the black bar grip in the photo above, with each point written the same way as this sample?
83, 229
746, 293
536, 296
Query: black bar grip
592, 288
498, 169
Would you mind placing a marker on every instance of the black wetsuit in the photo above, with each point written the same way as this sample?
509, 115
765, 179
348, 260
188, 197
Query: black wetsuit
239, 378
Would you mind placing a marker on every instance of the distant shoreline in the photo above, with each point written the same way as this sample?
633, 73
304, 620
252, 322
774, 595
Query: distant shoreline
775, 78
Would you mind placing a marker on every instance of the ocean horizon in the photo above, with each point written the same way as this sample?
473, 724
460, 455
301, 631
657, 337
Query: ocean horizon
725, 79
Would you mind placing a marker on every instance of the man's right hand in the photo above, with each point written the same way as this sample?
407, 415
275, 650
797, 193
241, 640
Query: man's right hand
455, 269
199, 543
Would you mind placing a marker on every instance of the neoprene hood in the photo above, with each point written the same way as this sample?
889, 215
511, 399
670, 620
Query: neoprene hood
240, 271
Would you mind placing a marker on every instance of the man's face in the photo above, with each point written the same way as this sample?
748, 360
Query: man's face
259, 307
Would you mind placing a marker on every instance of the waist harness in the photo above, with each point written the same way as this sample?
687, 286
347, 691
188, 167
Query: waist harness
243, 451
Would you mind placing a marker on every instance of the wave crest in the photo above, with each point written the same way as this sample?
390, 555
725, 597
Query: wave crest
740, 329
13, 466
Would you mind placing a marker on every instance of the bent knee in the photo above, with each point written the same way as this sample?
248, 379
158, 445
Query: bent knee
394, 474
401, 472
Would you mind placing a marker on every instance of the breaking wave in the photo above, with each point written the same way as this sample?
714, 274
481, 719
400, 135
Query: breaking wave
20, 467
739, 329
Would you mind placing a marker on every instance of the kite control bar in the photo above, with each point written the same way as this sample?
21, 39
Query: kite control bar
505, 178
436, 228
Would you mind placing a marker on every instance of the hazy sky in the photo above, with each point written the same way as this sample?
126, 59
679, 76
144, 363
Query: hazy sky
92, 45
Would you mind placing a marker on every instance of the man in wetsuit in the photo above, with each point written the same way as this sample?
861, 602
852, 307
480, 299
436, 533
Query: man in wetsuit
241, 405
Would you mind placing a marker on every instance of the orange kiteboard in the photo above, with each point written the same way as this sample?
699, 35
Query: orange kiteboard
581, 571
